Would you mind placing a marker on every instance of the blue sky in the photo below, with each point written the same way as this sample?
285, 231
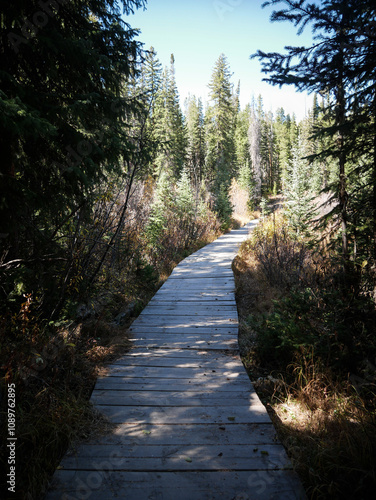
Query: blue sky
198, 31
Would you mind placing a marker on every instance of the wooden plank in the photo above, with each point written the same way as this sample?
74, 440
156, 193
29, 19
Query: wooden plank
160, 330
175, 372
188, 321
189, 284
139, 352
175, 457
201, 274
187, 341
187, 485
169, 335
179, 301
184, 385
182, 343
210, 282
195, 295
205, 264
180, 309
189, 434
165, 361
186, 415
124, 397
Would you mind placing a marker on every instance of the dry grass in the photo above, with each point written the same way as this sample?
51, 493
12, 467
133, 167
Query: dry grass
327, 427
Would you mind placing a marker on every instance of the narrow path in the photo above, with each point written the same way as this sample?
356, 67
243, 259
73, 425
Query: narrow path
189, 423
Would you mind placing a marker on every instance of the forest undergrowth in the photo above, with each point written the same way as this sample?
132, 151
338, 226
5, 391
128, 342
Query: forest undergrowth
54, 365
309, 347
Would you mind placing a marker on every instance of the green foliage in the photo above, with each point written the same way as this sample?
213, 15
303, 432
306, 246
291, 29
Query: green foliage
298, 205
169, 128
162, 203
177, 221
341, 68
61, 134
223, 206
185, 201
264, 205
195, 139
318, 324
314, 319
241, 142
219, 123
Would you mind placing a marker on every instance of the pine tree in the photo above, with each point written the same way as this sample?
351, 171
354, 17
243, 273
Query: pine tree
195, 138
298, 205
283, 144
219, 129
268, 152
62, 131
169, 125
241, 138
342, 66
158, 217
221, 119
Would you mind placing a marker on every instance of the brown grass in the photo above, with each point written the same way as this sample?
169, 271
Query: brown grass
327, 427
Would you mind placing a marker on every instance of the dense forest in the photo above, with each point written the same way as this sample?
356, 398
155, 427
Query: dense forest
106, 183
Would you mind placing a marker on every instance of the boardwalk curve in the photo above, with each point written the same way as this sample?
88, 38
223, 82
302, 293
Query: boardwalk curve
189, 423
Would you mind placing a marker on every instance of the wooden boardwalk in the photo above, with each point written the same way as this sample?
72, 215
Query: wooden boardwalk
189, 423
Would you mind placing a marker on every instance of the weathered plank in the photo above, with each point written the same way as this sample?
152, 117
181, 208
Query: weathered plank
181, 343
187, 309
195, 295
223, 283
179, 301
179, 457
203, 354
177, 372
187, 485
187, 414
181, 362
187, 321
177, 329
184, 385
200, 274
190, 434
123, 397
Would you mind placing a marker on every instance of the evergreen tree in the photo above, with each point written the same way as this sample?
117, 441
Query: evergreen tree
195, 138
283, 145
219, 128
149, 84
150, 81
298, 207
220, 120
341, 65
241, 139
268, 152
169, 124
62, 132
158, 217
